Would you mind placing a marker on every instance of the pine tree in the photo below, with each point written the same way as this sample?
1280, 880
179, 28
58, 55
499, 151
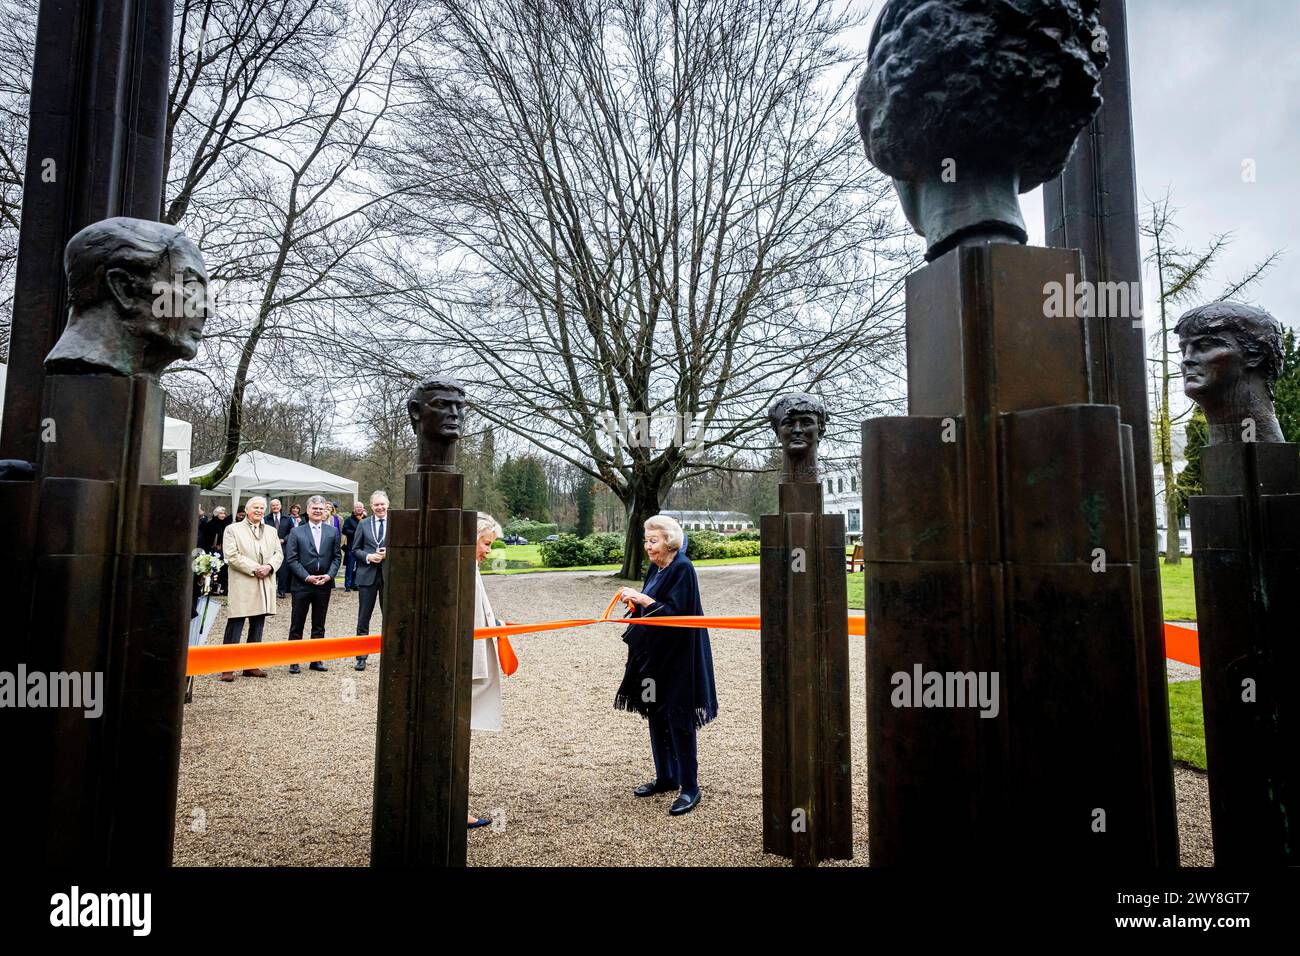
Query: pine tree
586, 495
1286, 392
1188, 482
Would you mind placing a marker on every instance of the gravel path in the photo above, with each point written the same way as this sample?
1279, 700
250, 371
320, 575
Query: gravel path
279, 771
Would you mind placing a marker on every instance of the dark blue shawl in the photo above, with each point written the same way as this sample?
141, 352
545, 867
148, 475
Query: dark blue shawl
678, 659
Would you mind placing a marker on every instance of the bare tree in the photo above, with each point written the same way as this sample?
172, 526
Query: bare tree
277, 112
17, 48
1181, 274
634, 222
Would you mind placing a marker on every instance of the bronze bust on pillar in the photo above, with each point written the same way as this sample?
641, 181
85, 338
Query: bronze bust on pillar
437, 408
422, 740
807, 757
1231, 356
137, 299
1246, 550
111, 547
999, 515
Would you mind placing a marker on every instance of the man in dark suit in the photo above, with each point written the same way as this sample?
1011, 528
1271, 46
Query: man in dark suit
282, 527
313, 555
369, 550
349, 542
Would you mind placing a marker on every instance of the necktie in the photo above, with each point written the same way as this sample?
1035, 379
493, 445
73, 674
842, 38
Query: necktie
380, 536
315, 535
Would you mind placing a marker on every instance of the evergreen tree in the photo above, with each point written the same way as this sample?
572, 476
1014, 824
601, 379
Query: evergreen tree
586, 495
1286, 392
1188, 482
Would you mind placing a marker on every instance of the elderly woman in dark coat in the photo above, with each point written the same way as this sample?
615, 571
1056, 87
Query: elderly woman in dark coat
669, 675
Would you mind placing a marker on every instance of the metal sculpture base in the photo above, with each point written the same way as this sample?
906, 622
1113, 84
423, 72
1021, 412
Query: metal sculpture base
1246, 550
807, 754
108, 595
422, 739
1000, 543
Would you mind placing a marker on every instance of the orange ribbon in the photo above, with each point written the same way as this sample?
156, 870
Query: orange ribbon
1180, 642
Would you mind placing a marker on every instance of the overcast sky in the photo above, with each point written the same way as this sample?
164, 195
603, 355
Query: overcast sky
1216, 82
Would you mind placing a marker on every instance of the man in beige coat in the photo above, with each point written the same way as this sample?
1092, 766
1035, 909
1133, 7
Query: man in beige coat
252, 552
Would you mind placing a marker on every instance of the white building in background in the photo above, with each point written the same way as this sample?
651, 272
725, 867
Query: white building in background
723, 521
843, 496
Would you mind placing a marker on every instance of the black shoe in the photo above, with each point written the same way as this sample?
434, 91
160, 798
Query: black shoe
318, 666
360, 664
655, 786
479, 822
281, 594
293, 669
684, 804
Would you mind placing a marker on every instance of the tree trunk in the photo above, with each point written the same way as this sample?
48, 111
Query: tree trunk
643, 504
1173, 550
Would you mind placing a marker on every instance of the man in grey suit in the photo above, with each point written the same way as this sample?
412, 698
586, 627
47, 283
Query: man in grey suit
312, 551
369, 549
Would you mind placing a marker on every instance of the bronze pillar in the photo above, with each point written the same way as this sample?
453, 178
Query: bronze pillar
1002, 563
1092, 207
108, 597
807, 751
426, 669
1247, 568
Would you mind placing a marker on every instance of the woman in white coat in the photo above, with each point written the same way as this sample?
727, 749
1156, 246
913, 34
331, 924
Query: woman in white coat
485, 700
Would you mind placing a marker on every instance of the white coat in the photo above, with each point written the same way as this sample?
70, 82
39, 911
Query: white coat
485, 700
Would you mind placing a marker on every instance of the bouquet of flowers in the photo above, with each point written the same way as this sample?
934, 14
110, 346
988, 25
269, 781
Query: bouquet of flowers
206, 567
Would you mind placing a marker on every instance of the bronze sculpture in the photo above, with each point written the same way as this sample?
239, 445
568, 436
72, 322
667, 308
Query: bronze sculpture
799, 420
934, 107
437, 408
137, 299
1231, 356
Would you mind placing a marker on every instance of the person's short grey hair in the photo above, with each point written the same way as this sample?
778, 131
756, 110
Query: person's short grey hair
249, 503
488, 523
317, 500
669, 526
276, 501
380, 493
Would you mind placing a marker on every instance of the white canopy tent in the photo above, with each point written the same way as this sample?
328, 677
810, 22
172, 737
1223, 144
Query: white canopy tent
258, 472
176, 437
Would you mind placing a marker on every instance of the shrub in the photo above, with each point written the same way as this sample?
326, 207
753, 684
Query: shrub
718, 547
700, 544
747, 535
605, 548
568, 551
498, 543
532, 531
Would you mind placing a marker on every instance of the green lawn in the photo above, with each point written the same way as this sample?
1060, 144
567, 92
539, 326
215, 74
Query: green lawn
1178, 598
1187, 723
1178, 594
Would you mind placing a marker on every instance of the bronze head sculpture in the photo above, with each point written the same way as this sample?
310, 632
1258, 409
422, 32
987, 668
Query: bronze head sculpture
437, 410
799, 420
137, 299
967, 103
1231, 356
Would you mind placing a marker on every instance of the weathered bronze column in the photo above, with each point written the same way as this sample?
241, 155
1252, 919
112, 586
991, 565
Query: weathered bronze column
1246, 548
1006, 681
426, 669
807, 752
107, 599
1092, 207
